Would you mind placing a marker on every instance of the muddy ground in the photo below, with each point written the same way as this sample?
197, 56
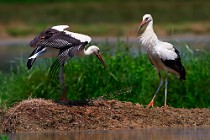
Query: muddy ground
46, 115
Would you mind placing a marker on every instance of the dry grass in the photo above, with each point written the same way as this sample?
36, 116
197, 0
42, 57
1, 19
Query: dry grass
45, 115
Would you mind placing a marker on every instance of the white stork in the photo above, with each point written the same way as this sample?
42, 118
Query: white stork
161, 54
65, 45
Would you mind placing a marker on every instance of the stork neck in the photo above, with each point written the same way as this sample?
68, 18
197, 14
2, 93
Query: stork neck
149, 27
87, 51
149, 38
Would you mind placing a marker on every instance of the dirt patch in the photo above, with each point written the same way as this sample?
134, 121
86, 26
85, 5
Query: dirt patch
46, 115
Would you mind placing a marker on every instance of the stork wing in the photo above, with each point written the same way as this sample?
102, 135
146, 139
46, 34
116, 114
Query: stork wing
54, 39
60, 27
36, 52
166, 51
174, 62
59, 40
64, 55
42, 36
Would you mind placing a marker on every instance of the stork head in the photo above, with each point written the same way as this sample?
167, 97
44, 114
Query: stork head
147, 18
95, 50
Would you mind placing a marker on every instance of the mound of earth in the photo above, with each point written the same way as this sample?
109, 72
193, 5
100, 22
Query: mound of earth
46, 115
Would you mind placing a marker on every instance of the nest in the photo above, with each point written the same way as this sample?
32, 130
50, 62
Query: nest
46, 115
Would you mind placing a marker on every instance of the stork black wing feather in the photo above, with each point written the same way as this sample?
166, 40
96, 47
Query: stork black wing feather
177, 52
60, 40
54, 39
42, 36
64, 56
54, 68
177, 66
31, 61
60, 60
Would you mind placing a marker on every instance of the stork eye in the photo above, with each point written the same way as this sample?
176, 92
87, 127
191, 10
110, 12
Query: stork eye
146, 18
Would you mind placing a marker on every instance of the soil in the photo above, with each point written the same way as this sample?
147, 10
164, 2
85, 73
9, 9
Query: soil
46, 115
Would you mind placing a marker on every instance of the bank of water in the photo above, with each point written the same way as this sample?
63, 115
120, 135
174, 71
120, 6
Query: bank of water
196, 133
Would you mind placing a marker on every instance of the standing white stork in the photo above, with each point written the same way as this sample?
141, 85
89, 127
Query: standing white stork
161, 54
65, 45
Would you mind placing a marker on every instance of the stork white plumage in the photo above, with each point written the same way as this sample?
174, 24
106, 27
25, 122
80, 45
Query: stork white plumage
161, 54
64, 44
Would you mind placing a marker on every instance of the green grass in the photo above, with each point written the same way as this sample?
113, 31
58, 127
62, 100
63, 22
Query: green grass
104, 18
128, 78
4, 137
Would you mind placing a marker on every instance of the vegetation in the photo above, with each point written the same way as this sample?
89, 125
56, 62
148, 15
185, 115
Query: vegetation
4, 137
86, 1
128, 77
104, 18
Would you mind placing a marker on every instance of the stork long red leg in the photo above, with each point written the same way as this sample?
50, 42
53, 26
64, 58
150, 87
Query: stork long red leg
151, 104
64, 45
161, 54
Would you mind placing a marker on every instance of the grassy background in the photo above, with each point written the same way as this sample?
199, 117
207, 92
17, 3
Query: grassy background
104, 18
128, 78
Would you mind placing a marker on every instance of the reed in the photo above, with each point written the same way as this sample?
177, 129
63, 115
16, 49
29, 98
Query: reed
128, 78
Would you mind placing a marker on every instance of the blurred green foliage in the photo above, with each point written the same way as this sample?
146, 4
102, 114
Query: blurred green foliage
110, 12
105, 18
87, 1
4, 137
128, 78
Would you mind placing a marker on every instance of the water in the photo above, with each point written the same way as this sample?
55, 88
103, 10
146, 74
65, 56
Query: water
11, 53
199, 133
13, 50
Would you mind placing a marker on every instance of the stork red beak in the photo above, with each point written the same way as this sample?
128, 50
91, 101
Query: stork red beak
101, 59
141, 25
